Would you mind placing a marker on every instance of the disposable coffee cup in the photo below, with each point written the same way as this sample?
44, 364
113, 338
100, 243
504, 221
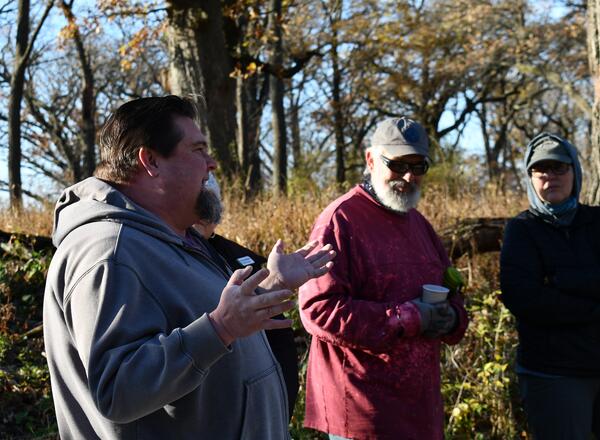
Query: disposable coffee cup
434, 294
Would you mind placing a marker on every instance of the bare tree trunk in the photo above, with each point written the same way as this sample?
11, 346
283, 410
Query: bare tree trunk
279, 136
295, 132
201, 66
333, 11
23, 50
17, 84
338, 116
592, 194
276, 93
243, 122
251, 96
88, 113
249, 112
88, 101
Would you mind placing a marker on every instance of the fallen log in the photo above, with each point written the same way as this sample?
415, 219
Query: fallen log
473, 236
466, 236
35, 242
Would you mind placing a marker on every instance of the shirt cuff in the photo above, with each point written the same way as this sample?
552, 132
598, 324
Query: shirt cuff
410, 319
202, 343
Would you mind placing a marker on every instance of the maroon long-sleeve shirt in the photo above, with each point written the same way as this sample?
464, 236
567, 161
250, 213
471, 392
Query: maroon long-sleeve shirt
370, 375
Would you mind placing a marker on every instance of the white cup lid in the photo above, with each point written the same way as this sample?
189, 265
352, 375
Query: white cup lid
435, 288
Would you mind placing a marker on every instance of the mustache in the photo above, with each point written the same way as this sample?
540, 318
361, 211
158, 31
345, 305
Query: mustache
402, 184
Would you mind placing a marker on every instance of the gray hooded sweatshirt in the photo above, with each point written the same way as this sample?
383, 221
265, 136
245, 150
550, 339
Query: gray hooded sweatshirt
131, 351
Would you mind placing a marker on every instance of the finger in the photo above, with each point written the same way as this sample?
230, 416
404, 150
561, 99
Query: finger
269, 299
307, 248
277, 309
322, 259
320, 271
271, 324
249, 285
323, 251
238, 277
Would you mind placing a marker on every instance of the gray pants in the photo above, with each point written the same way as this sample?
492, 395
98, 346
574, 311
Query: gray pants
562, 408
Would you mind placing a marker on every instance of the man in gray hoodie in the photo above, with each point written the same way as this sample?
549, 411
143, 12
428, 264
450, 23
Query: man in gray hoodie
147, 332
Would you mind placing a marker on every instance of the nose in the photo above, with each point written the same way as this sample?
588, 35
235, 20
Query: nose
211, 164
408, 176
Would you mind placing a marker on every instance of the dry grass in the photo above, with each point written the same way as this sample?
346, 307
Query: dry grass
36, 221
443, 205
260, 223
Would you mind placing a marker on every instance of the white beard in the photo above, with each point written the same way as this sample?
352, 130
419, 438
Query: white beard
395, 200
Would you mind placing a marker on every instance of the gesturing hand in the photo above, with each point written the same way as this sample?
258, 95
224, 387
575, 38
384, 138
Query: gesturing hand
242, 312
290, 271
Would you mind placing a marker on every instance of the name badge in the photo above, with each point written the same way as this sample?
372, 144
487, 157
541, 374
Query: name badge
245, 261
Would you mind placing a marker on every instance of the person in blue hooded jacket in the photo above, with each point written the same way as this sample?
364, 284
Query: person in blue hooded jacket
550, 280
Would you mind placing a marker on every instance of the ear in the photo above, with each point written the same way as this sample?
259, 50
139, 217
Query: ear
370, 159
147, 159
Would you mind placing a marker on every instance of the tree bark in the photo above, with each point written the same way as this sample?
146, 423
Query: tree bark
249, 112
23, 49
592, 194
201, 67
338, 116
88, 101
296, 142
17, 84
276, 94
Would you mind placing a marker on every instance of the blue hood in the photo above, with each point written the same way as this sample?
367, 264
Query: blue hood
562, 214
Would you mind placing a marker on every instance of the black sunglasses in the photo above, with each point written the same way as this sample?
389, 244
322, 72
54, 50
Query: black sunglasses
557, 168
399, 167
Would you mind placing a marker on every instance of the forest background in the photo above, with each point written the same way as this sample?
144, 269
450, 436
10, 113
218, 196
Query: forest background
289, 92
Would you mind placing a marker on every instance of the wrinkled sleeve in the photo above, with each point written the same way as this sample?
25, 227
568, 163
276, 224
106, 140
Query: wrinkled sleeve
331, 308
527, 292
135, 365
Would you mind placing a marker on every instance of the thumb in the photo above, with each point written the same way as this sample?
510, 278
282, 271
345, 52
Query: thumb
279, 246
238, 277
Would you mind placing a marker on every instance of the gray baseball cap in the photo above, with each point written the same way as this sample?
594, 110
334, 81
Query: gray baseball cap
549, 149
400, 137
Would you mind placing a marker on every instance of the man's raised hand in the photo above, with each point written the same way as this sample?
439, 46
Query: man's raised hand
242, 312
290, 271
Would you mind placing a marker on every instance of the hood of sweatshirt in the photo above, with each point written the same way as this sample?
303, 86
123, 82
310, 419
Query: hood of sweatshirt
94, 200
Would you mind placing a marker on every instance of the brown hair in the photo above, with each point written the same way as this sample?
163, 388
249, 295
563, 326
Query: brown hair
147, 122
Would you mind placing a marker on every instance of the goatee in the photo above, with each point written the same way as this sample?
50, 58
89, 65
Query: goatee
208, 206
391, 196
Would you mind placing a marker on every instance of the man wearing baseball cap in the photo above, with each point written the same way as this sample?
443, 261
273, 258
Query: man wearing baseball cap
374, 365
